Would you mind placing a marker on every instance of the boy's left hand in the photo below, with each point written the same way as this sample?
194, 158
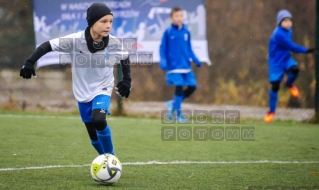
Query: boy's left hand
199, 64
123, 88
311, 50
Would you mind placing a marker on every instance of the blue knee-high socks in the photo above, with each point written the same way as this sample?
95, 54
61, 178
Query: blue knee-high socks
291, 78
97, 145
105, 138
178, 99
273, 98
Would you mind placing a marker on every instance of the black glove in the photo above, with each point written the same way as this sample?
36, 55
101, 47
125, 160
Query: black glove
123, 88
27, 70
311, 50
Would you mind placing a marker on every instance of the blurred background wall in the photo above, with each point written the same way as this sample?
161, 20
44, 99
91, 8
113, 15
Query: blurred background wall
237, 32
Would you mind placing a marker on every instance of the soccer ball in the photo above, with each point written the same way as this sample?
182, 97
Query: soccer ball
106, 169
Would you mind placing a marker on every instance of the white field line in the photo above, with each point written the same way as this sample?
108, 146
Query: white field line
165, 163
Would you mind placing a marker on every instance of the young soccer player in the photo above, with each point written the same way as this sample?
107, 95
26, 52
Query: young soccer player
280, 60
92, 79
176, 55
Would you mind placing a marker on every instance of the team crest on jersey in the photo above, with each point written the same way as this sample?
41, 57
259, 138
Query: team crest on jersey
107, 55
186, 37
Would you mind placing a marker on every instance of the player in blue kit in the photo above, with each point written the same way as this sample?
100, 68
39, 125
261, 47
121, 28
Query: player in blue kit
92, 82
176, 55
280, 60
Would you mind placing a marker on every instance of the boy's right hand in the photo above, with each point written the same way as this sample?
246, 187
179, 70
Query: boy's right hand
311, 50
27, 71
163, 65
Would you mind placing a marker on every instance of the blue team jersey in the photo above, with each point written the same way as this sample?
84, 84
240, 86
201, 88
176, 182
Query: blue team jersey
280, 46
175, 50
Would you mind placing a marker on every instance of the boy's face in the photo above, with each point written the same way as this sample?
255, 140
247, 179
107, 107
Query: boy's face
286, 23
177, 18
103, 26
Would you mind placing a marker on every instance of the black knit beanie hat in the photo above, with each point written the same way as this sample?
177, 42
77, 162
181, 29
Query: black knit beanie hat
97, 11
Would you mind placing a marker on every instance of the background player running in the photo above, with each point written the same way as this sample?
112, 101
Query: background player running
176, 55
280, 61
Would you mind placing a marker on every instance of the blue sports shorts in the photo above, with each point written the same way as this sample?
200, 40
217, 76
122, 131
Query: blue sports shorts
276, 72
99, 102
181, 79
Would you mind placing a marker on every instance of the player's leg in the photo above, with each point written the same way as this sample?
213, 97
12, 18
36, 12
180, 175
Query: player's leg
273, 96
273, 99
100, 107
188, 91
170, 109
178, 99
189, 80
191, 83
94, 139
170, 103
293, 73
276, 73
85, 112
176, 80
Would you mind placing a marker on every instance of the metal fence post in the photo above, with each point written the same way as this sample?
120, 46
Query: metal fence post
317, 65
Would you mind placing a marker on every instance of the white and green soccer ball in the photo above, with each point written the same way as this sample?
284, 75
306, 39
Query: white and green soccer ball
106, 169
